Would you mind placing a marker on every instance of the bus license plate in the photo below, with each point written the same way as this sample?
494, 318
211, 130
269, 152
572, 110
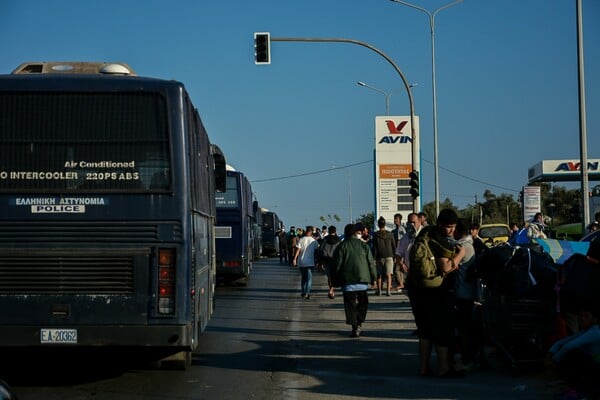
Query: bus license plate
58, 336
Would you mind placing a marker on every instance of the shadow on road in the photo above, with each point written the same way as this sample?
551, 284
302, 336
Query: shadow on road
306, 347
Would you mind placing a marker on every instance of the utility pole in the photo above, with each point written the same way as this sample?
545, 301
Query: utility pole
585, 200
431, 16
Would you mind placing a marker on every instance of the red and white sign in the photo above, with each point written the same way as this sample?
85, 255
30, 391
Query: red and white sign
532, 202
393, 162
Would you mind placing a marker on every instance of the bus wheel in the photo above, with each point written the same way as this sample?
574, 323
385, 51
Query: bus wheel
178, 361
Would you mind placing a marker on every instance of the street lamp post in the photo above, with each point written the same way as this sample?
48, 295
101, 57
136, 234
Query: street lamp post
435, 144
387, 95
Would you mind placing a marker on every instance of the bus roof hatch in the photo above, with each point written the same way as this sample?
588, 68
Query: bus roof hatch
74, 68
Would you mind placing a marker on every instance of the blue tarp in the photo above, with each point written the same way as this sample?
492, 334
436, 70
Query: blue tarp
561, 250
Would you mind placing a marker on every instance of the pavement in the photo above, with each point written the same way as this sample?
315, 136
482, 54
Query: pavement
383, 362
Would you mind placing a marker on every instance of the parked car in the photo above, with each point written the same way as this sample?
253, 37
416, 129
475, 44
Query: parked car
492, 234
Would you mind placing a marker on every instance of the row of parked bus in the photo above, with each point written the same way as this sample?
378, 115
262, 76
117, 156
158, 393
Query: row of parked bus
109, 185
244, 230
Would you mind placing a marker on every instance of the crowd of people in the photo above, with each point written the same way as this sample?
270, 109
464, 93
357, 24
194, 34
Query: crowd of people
447, 309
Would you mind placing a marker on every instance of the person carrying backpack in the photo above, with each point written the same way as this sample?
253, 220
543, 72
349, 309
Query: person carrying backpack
433, 255
325, 256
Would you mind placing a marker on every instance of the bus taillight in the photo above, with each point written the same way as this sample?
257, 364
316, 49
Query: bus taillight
166, 281
232, 263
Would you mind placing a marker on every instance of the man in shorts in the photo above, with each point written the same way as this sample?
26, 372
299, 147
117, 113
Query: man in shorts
383, 252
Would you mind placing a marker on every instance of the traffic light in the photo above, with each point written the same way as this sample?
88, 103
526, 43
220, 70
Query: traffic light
414, 184
262, 48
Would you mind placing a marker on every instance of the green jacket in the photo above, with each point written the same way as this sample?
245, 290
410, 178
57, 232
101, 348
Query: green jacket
354, 263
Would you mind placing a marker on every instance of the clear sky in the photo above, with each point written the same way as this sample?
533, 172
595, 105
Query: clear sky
301, 129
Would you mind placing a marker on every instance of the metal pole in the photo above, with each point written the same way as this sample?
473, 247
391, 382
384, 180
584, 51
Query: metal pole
387, 96
415, 156
585, 203
434, 96
387, 104
350, 194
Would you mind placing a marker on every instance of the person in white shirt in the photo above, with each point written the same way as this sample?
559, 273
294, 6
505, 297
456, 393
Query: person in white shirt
304, 259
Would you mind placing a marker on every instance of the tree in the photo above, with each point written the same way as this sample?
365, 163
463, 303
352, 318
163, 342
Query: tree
565, 203
330, 219
429, 209
367, 219
499, 209
562, 204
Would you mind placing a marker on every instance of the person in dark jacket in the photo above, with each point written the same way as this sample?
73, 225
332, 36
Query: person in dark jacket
355, 271
478, 244
325, 256
383, 250
432, 306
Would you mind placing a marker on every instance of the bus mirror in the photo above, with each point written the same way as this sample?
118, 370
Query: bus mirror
254, 207
220, 168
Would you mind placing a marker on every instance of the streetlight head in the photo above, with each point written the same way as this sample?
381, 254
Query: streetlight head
360, 83
413, 85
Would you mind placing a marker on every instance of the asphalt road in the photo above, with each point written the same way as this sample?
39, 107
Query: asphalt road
265, 342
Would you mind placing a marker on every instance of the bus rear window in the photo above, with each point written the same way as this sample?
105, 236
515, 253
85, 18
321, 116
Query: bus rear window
229, 198
83, 142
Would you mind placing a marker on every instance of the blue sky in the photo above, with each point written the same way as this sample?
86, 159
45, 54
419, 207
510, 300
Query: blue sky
507, 93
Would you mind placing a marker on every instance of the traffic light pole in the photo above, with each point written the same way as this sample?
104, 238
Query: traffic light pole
415, 158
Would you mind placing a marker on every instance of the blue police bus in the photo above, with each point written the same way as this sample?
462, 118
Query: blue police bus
271, 224
236, 228
107, 186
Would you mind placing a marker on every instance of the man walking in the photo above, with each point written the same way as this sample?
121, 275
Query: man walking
355, 270
398, 232
325, 259
383, 251
291, 241
282, 239
304, 259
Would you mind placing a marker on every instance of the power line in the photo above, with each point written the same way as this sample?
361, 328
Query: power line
475, 180
370, 161
313, 173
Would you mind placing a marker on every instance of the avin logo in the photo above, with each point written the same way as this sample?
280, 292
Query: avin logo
395, 130
576, 166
